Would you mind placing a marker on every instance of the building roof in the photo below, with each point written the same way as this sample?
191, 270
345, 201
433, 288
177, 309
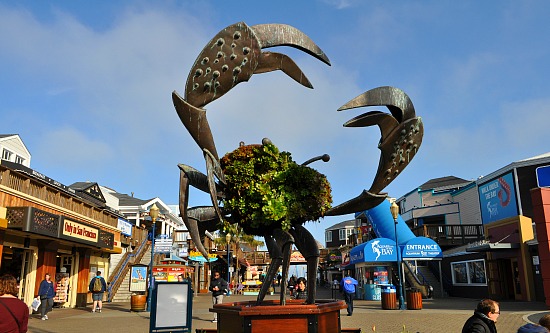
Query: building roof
6, 135
444, 183
341, 225
126, 200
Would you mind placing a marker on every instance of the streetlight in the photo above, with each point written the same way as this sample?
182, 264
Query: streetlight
154, 213
228, 239
394, 209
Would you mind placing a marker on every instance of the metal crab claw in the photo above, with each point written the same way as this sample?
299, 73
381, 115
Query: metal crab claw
231, 57
401, 137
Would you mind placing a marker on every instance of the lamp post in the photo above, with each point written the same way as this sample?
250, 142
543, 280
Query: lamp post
394, 209
154, 213
228, 239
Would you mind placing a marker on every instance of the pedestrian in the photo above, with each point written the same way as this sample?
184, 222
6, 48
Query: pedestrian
348, 288
300, 292
218, 287
532, 328
484, 318
97, 287
292, 285
12, 307
545, 321
46, 292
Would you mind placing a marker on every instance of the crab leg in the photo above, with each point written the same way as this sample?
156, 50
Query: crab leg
276, 261
305, 242
284, 241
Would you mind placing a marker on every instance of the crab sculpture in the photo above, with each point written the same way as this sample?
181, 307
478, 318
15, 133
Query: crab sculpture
231, 57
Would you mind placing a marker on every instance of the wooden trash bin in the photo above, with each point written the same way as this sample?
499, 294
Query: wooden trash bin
389, 298
138, 302
414, 300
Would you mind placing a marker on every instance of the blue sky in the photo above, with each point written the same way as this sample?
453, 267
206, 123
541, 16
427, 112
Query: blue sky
88, 87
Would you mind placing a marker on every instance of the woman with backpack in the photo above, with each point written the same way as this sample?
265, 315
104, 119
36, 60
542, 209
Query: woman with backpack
97, 287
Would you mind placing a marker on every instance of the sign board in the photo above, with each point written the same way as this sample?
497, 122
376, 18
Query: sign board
163, 245
376, 250
169, 273
422, 248
543, 176
125, 227
497, 199
171, 307
138, 278
78, 232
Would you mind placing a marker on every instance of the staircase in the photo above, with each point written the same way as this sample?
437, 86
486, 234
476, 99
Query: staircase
123, 293
433, 281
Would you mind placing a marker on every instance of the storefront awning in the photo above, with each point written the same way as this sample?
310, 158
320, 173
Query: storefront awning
383, 250
491, 247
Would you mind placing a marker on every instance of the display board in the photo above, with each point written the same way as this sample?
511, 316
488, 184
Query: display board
138, 278
171, 307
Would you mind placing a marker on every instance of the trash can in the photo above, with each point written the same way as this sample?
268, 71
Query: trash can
414, 299
389, 298
138, 302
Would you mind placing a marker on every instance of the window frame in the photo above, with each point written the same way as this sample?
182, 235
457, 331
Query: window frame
7, 154
469, 271
328, 236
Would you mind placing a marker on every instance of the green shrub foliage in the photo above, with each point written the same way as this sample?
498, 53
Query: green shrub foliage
266, 189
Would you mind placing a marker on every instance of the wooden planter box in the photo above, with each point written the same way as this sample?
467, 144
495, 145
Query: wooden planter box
294, 317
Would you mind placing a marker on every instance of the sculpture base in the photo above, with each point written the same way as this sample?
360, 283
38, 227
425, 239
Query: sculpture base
270, 316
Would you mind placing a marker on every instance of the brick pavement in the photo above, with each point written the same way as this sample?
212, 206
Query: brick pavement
439, 315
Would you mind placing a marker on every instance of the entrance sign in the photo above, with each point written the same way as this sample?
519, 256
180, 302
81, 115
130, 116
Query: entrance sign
422, 248
171, 307
543, 176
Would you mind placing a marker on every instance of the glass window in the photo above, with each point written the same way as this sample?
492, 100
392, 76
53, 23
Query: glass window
6, 154
328, 236
469, 272
19, 159
342, 234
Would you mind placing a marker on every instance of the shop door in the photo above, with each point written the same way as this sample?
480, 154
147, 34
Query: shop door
24, 280
499, 277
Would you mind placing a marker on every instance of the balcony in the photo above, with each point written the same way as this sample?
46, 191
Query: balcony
451, 235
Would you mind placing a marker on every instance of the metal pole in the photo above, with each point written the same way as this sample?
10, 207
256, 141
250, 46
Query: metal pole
401, 285
228, 272
150, 293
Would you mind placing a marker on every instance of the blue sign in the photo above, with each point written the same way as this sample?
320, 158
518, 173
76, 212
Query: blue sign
498, 199
376, 250
422, 248
543, 176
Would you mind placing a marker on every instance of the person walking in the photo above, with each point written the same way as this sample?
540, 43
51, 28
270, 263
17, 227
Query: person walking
13, 311
97, 287
300, 292
218, 287
484, 318
46, 292
347, 286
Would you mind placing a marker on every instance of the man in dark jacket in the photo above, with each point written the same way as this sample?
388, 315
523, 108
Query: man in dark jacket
484, 318
218, 287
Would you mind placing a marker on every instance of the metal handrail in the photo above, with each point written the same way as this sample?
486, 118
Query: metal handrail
124, 266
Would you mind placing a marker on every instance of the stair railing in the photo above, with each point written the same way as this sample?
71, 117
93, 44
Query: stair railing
123, 270
423, 284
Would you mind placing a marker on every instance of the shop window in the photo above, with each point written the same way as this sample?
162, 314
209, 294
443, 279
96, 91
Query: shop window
469, 272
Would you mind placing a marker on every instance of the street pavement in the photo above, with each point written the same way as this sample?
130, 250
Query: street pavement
437, 315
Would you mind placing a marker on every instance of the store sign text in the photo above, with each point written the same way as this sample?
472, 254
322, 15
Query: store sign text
80, 231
